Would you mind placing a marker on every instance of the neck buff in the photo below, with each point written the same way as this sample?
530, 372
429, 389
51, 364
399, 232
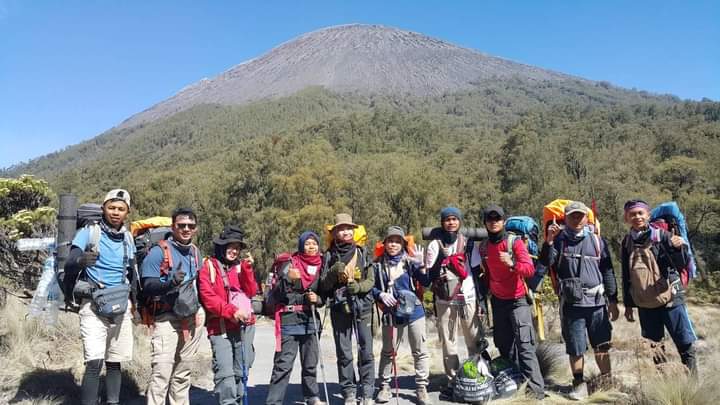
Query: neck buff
496, 237
641, 236
182, 248
345, 251
302, 261
115, 234
575, 236
448, 238
394, 260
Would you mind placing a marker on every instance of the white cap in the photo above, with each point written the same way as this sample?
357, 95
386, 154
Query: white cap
118, 194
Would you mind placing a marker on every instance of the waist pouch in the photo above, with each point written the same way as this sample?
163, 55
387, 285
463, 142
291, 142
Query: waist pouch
572, 290
111, 302
187, 303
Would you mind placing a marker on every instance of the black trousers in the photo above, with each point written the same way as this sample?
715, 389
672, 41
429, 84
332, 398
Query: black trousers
344, 327
284, 360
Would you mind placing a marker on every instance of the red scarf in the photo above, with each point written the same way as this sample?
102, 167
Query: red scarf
302, 261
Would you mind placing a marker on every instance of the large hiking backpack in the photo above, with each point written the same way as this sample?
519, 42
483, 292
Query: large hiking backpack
270, 303
473, 382
527, 229
147, 233
508, 377
669, 214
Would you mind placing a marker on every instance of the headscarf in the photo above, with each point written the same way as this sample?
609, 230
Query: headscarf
303, 261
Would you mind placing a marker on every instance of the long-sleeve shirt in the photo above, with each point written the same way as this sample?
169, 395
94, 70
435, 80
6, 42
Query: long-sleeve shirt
503, 282
329, 283
588, 259
214, 296
288, 292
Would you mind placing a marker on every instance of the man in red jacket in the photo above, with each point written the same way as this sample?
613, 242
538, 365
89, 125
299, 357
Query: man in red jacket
504, 269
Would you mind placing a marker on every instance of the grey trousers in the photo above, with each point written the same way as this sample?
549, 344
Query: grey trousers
416, 336
233, 355
344, 327
514, 336
284, 360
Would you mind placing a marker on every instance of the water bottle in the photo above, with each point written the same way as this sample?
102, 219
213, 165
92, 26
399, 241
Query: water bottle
45, 304
27, 244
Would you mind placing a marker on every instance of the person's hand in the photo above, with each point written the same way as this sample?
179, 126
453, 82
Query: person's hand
88, 259
614, 311
240, 316
311, 297
446, 251
676, 241
506, 259
629, 314
248, 258
418, 257
387, 299
179, 276
353, 287
553, 231
293, 274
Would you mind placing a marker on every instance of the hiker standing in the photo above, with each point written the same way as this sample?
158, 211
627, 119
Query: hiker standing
168, 274
226, 284
454, 291
582, 266
396, 274
652, 259
347, 279
299, 323
504, 270
103, 263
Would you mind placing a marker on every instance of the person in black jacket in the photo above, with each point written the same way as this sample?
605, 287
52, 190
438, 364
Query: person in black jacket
668, 256
347, 279
296, 293
582, 265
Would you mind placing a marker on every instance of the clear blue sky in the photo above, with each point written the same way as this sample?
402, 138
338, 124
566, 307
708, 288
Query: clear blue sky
72, 69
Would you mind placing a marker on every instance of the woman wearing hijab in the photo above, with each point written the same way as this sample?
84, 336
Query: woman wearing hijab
299, 322
226, 283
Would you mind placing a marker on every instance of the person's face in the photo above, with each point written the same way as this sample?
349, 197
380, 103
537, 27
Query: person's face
115, 212
232, 251
638, 218
451, 224
393, 245
344, 233
310, 247
576, 221
183, 229
494, 223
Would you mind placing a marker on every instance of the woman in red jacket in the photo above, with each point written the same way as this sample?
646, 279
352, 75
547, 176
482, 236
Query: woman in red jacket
226, 284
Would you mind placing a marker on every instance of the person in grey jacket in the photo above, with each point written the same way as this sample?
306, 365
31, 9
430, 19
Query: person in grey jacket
581, 264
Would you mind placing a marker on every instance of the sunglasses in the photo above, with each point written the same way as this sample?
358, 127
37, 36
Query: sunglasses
494, 218
186, 226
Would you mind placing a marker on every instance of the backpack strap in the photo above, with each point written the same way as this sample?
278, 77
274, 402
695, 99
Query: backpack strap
167, 264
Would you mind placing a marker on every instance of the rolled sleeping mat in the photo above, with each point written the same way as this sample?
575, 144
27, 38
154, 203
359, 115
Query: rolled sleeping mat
67, 220
470, 233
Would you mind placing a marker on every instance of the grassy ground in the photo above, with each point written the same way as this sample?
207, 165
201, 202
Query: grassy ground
44, 365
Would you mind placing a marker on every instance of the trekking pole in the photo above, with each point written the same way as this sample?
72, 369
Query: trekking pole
244, 377
394, 359
322, 364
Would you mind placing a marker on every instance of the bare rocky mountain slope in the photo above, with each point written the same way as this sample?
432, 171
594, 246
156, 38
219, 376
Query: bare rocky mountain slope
366, 59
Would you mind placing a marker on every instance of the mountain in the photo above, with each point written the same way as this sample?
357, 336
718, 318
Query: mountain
366, 59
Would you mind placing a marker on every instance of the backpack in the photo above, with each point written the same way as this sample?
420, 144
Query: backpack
270, 303
508, 377
448, 290
668, 215
473, 382
236, 298
648, 288
147, 233
526, 228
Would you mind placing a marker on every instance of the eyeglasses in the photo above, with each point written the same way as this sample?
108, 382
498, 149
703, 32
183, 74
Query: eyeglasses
186, 226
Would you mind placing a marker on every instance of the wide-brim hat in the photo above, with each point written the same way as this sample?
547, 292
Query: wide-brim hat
344, 219
231, 234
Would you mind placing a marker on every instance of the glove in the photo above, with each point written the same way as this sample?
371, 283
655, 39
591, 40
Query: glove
419, 257
179, 276
88, 259
387, 299
353, 288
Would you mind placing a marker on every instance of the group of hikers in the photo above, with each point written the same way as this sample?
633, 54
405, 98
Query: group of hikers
185, 292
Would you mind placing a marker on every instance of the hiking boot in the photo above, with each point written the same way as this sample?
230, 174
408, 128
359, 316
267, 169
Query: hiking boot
350, 400
447, 394
422, 397
579, 391
368, 401
384, 394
